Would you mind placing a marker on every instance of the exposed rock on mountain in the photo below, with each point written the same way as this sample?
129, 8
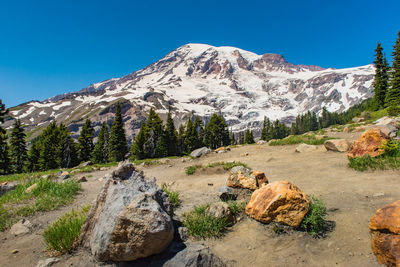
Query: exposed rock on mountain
198, 79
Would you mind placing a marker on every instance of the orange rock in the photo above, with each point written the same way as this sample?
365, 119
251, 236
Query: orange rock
369, 143
220, 149
281, 202
385, 234
241, 177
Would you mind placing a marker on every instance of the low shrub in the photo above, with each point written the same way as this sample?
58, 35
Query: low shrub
314, 222
173, 195
63, 233
236, 207
202, 225
225, 165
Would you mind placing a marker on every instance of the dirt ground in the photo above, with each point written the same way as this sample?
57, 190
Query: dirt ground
351, 198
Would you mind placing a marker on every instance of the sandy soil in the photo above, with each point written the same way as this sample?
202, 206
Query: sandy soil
348, 194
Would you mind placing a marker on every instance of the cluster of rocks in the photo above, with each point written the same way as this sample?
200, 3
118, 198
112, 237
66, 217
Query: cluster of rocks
280, 201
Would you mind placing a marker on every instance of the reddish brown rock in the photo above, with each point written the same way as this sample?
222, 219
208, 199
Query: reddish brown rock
385, 234
369, 143
281, 202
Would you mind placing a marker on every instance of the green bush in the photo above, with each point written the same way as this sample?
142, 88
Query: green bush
391, 148
192, 169
61, 235
200, 224
173, 195
236, 207
393, 110
314, 222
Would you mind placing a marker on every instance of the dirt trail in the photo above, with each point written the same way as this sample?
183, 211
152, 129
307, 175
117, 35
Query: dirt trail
348, 194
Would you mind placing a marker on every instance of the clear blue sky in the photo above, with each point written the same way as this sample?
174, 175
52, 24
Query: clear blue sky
53, 47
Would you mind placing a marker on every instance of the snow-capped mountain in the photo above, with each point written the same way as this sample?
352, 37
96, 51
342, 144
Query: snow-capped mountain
198, 79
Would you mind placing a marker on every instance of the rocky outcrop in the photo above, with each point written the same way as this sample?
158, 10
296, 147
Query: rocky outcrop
337, 145
241, 177
303, 148
20, 228
130, 218
281, 202
385, 233
369, 143
200, 152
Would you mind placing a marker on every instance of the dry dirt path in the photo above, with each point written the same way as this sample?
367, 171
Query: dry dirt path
351, 197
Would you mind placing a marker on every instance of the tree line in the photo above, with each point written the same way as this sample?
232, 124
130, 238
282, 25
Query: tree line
387, 79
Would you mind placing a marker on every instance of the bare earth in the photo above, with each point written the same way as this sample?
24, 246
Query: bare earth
351, 198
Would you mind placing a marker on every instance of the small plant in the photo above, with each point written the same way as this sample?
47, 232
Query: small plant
61, 235
236, 207
391, 148
192, 169
173, 195
278, 229
203, 225
314, 222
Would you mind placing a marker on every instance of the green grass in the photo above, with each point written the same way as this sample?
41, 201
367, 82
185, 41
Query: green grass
236, 207
63, 233
173, 195
297, 139
34, 175
225, 165
314, 222
48, 195
202, 225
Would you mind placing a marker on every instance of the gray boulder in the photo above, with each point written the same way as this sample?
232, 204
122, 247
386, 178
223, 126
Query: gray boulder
195, 255
130, 218
200, 152
5, 187
226, 193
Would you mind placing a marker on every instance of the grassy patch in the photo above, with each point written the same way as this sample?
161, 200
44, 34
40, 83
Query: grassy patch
297, 139
48, 195
173, 195
314, 222
202, 225
383, 162
236, 207
145, 162
225, 165
61, 235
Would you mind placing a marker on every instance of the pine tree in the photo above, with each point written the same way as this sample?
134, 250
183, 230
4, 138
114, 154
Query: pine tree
18, 151
380, 85
171, 136
181, 139
50, 147
249, 138
216, 133
118, 145
4, 157
100, 151
198, 131
138, 149
155, 144
393, 93
265, 129
68, 148
33, 156
190, 136
85, 141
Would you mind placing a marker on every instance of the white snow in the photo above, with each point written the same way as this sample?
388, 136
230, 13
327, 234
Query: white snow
63, 104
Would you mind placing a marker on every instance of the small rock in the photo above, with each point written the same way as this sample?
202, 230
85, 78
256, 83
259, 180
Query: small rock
200, 152
241, 177
210, 184
31, 188
221, 210
103, 169
47, 262
183, 233
170, 166
14, 251
351, 254
244, 154
379, 194
302, 148
226, 193
82, 179
20, 228
261, 142
5, 187
63, 175
337, 145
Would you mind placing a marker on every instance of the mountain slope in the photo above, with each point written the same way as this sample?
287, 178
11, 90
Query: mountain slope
198, 79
